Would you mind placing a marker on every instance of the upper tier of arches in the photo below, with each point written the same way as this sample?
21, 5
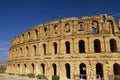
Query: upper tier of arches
89, 25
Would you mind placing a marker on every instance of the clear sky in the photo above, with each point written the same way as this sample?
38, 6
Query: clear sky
17, 16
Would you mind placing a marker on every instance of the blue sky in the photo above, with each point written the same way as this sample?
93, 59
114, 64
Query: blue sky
17, 16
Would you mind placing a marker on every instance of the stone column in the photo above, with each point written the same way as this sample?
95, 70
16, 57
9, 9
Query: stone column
107, 44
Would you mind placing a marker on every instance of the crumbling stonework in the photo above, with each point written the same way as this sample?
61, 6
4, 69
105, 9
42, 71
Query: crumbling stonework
88, 47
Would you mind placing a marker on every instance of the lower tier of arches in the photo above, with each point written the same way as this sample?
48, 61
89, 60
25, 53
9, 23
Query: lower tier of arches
67, 69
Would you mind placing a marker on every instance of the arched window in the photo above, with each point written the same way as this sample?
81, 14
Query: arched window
55, 28
95, 27
55, 47
67, 26
99, 70
54, 69
82, 69
21, 50
116, 69
44, 48
27, 50
45, 29
103, 18
34, 46
81, 27
23, 37
81, 46
28, 35
67, 66
18, 68
32, 68
94, 30
113, 46
97, 46
24, 68
43, 68
67, 44
36, 33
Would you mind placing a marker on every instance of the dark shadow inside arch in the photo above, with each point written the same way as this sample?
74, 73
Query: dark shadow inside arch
99, 70
55, 69
113, 46
67, 70
43, 68
81, 46
82, 68
116, 69
55, 48
97, 46
44, 48
67, 44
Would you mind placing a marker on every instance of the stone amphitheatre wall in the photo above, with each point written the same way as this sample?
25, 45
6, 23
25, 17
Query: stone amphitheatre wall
68, 47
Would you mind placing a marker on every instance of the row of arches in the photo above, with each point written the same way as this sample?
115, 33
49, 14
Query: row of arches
81, 47
99, 68
48, 30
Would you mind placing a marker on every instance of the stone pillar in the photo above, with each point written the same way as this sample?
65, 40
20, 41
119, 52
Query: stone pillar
102, 45
107, 44
87, 45
91, 45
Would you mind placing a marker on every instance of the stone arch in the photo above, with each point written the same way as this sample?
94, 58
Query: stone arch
82, 69
36, 33
95, 27
67, 27
103, 18
18, 68
21, 50
29, 34
23, 37
34, 50
99, 70
113, 45
24, 69
44, 49
55, 28
81, 26
67, 66
110, 26
27, 51
97, 46
81, 46
45, 31
55, 47
32, 68
116, 69
54, 69
43, 68
67, 46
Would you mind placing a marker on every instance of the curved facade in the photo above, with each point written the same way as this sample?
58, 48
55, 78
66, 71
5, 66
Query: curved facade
87, 47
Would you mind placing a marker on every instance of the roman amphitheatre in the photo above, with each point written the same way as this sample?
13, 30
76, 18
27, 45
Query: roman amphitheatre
87, 47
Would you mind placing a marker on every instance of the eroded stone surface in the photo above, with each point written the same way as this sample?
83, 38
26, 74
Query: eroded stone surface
70, 47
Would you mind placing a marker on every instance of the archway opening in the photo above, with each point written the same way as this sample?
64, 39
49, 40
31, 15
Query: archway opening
113, 46
34, 46
44, 48
81, 46
54, 69
67, 70
18, 68
55, 48
116, 69
33, 67
97, 46
67, 47
99, 70
82, 68
43, 68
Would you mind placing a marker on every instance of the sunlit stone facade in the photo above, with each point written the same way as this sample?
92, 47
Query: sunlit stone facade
69, 47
